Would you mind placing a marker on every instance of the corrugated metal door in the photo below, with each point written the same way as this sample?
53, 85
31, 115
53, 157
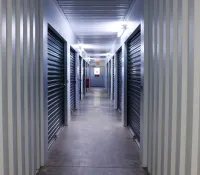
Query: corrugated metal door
72, 80
84, 77
134, 83
80, 78
119, 80
113, 74
109, 78
56, 85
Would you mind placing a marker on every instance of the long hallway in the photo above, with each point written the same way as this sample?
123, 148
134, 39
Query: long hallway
94, 143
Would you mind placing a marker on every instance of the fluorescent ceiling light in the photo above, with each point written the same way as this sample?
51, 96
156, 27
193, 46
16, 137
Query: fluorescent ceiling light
100, 54
102, 27
92, 46
81, 48
97, 54
122, 30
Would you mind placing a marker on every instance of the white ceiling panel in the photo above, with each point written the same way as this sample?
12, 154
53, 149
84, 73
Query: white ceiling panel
96, 22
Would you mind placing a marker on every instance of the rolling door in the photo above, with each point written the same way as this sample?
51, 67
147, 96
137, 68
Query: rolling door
84, 77
80, 70
134, 83
113, 74
72, 80
56, 85
109, 78
119, 80
88, 69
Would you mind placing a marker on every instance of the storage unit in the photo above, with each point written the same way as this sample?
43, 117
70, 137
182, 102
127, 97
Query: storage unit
87, 67
119, 79
113, 78
56, 85
72, 80
134, 87
84, 77
109, 77
80, 77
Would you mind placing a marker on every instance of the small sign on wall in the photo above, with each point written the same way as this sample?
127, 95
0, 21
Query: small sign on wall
97, 71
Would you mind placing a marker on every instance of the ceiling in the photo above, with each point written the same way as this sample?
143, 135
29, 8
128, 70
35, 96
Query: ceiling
96, 22
97, 63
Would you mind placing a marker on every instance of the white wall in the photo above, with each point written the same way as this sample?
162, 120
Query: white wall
20, 134
53, 16
134, 19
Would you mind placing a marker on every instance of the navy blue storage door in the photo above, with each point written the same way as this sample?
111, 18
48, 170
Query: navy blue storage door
134, 87
80, 77
119, 79
113, 76
72, 80
109, 65
87, 67
107, 78
84, 77
56, 85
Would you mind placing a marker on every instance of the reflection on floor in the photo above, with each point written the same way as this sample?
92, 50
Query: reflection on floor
94, 143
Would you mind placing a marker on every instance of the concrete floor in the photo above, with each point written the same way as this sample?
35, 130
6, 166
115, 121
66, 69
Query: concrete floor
94, 143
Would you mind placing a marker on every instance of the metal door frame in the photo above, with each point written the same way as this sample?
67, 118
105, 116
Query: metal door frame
112, 78
77, 82
44, 79
126, 95
80, 78
84, 77
115, 81
109, 78
144, 109
121, 48
71, 48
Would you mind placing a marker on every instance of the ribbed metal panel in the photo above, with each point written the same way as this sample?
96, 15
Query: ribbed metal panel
86, 74
72, 80
109, 77
84, 77
119, 80
80, 77
98, 21
56, 87
109, 65
113, 86
134, 83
